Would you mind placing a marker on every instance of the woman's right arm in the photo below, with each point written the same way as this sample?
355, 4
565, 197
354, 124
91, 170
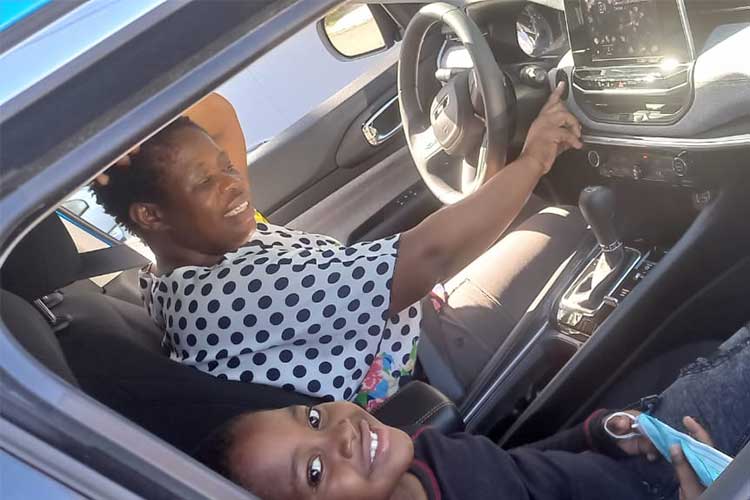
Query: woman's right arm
451, 238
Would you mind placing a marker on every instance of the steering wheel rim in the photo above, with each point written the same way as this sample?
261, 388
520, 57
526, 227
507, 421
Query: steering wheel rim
436, 140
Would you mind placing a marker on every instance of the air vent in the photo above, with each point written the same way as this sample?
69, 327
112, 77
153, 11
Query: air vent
633, 95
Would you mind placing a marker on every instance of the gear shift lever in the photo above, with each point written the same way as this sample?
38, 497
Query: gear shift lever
581, 306
597, 204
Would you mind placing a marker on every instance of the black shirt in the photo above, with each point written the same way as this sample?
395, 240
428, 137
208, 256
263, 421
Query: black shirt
464, 466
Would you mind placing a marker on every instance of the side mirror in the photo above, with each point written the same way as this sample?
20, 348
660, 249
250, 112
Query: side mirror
355, 30
117, 233
77, 206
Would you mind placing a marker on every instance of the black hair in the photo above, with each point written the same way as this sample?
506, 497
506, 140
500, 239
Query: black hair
141, 180
213, 450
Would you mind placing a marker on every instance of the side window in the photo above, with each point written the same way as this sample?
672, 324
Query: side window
282, 86
353, 31
91, 228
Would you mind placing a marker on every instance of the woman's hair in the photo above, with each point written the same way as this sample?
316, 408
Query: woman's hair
141, 180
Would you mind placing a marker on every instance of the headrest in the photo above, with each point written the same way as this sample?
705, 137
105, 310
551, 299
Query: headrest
44, 261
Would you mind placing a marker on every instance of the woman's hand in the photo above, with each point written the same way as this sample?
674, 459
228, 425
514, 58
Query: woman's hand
690, 487
123, 161
554, 131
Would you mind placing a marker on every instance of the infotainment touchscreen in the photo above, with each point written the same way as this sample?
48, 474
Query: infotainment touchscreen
623, 29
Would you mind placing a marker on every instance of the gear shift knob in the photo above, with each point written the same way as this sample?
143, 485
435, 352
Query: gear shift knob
597, 204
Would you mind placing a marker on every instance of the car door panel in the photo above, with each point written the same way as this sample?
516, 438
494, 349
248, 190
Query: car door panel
359, 210
323, 174
306, 152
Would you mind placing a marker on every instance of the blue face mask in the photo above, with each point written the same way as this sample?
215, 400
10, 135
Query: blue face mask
708, 463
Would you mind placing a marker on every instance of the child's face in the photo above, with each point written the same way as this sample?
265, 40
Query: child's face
318, 452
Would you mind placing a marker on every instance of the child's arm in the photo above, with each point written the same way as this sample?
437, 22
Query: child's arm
587, 436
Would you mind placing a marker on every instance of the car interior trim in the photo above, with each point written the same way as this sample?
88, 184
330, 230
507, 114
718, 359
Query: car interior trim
480, 402
689, 144
375, 137
686, 28
56, 464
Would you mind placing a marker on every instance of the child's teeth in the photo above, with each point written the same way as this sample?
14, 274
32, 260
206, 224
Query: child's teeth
373, 445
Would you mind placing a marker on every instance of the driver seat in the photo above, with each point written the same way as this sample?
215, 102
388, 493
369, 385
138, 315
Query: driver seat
488, 298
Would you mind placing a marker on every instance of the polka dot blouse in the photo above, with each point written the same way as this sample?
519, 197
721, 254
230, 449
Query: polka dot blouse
293, 310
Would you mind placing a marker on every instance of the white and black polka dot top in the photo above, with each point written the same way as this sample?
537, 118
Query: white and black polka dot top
289, 309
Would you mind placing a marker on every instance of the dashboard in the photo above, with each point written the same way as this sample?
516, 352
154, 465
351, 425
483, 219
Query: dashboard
656, 84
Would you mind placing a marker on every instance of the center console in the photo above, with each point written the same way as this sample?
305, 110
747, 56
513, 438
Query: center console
632, 59
664, 120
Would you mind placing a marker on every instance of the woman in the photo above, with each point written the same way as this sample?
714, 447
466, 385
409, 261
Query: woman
255, 302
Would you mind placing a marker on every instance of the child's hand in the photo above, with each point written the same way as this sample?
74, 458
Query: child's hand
554, 131
690, 487
636, 446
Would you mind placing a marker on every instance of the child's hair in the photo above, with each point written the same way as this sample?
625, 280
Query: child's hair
213, 451
139, 181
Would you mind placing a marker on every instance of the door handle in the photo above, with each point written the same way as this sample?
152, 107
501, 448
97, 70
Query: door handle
383, 124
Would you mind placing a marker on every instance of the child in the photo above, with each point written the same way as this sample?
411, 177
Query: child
337, 450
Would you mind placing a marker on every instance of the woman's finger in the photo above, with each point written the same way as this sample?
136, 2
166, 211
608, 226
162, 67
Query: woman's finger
690, 486
554, 97
697, 431
566, 119
564, 137
124, 161
102, 179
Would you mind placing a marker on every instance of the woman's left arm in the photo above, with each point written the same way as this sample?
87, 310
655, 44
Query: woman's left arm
217, 117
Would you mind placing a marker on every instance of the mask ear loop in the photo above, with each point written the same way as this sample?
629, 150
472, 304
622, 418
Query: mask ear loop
633, 425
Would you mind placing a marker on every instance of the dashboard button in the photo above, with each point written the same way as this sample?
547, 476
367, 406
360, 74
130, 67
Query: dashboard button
680, 166
534, 75
637, 172
594, 158
562, 76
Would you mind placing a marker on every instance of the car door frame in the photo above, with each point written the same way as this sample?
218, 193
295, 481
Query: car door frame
32, 397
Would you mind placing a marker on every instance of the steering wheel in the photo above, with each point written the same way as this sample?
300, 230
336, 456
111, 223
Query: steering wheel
466, 130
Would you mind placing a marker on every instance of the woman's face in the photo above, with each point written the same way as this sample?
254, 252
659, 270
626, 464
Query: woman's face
208, 207
323, 451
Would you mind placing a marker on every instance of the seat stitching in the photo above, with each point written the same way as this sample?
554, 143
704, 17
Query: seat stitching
433, 411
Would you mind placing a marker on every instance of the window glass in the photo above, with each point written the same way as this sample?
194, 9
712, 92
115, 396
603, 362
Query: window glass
277, 89
82, 205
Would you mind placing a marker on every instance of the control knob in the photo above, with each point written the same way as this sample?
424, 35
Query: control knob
680, 165
595, 158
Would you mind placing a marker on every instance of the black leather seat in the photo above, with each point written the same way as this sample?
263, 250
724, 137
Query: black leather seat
111, 349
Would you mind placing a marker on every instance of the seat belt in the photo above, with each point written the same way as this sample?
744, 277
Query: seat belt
109, 260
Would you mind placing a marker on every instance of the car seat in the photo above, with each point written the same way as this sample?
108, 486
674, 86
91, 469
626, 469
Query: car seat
112, 351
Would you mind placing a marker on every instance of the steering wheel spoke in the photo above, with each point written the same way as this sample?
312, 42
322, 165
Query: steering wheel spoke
426, 144
470, 180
